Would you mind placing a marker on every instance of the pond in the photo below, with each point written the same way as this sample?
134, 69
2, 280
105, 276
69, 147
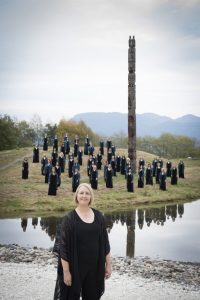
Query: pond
167, 232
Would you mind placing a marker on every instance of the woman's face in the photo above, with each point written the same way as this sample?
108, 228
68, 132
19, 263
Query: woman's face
83, 196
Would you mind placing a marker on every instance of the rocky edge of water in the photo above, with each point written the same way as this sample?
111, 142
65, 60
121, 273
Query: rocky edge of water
185, 274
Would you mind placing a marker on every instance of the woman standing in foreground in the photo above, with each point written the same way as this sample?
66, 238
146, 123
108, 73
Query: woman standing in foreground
84, 251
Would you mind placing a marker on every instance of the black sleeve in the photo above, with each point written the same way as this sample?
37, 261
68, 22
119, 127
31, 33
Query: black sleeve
65, 238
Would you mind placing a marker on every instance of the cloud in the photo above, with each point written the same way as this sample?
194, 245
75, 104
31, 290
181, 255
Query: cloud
74, 53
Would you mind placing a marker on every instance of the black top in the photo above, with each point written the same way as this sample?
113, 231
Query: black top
87, 241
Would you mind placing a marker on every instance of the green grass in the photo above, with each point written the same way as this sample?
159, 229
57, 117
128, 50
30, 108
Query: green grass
19, 197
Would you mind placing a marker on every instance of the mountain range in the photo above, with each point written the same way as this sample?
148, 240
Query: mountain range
108, 124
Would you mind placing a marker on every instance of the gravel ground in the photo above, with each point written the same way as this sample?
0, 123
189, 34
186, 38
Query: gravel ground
32, 277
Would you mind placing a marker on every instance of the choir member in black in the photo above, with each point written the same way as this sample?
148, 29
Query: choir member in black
89, 163
25, 168
54, 157
149, 175
109, 155
53, 182
36, 154
160, 161
76, 146
47, 170
109, 177
168, 167
158, 170
141, 177
174, 178
70, 166
86, 145
162, 180
113, 165
58, 172
129, 181
181, 168
123, 165
62, 148
118, 163
80, 156
76, 140
44, 161
154, 164
101, 147
94, 177
61, 161
45, 143
141, 162
75, 180
55, 143
99, 160
66, 144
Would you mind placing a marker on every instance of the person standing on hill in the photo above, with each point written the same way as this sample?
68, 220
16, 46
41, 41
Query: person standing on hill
162, 180
181, 169
109, 177
45, 143
36, 154
129, 180
25, 170
174, 178
149, 175
53, 182
94, 177
141, 177
168, 167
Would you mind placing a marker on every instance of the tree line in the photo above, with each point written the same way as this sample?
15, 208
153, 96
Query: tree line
16, 134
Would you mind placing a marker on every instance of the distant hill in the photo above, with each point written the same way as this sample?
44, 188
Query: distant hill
108, 124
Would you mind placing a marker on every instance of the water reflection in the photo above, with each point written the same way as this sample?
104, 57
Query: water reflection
138, 217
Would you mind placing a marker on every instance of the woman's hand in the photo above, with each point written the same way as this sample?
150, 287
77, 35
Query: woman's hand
67, 278
108, 271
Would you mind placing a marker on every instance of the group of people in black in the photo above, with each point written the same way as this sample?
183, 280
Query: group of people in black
72, 156
157, 171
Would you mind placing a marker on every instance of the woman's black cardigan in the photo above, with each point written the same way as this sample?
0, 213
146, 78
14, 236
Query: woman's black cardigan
66, 248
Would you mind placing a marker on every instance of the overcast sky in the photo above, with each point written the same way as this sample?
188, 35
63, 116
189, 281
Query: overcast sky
63, 57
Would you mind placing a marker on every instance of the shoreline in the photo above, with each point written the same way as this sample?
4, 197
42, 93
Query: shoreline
34, 269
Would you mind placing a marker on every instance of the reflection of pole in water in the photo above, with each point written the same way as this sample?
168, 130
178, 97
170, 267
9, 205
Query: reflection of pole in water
130, 245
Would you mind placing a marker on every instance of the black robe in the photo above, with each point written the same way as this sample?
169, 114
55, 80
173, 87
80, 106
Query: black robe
174, 176
109, 181
66, 248
53, 180
129, 181
25, 170
94, 179
141, 179
162, 182
45, 144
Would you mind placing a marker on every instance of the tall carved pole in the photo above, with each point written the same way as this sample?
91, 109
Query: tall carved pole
131, 104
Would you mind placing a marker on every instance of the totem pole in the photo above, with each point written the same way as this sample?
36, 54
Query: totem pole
131, 104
